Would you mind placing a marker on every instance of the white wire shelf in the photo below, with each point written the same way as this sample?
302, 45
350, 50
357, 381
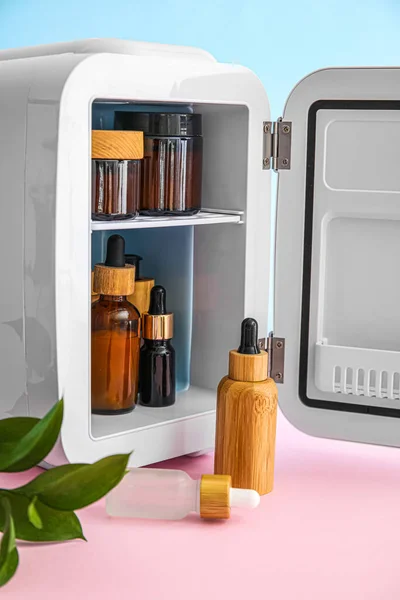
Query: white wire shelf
204, 217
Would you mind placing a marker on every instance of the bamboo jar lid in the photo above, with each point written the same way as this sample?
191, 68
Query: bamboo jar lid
248, 367
215, 493
117, 145
114, 281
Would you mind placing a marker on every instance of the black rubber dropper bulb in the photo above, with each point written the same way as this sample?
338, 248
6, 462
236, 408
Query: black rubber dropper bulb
115, 251
158, 301
249, 337
134, 259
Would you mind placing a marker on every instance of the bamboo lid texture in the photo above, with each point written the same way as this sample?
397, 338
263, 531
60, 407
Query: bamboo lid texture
248, 367
215, 493
141, 296
114, 281
117, 145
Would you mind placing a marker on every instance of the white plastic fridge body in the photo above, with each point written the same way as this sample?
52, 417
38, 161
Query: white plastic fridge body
337, 242
45, 119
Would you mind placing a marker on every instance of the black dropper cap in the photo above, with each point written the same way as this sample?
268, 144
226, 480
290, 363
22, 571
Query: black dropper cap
115, 251
158, 301
249, 337
134, 259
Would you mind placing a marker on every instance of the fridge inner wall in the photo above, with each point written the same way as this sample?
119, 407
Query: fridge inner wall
202, 266
350, 337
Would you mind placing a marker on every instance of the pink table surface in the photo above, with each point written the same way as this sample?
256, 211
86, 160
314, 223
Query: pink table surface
330, 529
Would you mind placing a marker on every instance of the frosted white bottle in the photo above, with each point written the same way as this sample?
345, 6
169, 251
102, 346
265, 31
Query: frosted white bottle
172, 495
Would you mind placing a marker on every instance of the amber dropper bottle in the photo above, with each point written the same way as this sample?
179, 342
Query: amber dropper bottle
157, 356
115, 334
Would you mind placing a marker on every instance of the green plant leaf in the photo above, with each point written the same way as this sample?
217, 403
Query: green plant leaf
15, 428
34, 446
8, 550
70, 487
33, 515
57, 526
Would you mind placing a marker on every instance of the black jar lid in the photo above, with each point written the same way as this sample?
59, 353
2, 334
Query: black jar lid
159, 124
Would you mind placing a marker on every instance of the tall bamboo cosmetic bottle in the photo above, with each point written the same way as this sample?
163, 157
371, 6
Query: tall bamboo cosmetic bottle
143, 285
246, 416
115, 334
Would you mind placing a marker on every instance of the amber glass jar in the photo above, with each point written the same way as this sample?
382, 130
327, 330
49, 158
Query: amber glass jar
172, 165
116, 189
115, 334
116, 173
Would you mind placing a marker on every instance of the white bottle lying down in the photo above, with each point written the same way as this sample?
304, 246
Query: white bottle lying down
172, 495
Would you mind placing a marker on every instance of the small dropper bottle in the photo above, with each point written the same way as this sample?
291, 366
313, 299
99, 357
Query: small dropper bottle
157, 356
172, 495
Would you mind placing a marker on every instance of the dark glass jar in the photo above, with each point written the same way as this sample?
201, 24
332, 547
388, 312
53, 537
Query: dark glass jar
172, 165
116, 189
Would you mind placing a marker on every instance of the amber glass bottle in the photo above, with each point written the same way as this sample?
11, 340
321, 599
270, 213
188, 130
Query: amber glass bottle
115, 334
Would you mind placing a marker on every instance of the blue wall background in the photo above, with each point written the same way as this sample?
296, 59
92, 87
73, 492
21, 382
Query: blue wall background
281, 42
308, 35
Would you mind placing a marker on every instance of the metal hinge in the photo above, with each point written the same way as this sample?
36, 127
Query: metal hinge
276, 358
277, 145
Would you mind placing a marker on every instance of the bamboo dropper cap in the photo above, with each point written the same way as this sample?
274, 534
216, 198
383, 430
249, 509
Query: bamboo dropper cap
215, 496
248, 362
114, 277
95, 297
143, 285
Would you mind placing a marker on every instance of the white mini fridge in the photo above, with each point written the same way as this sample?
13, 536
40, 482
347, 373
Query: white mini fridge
335, 350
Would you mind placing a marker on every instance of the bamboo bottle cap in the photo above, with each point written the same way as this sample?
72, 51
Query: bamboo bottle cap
141, 296
248, 363
143, 285
248, 367
215, 496
94, 296
114, 281
114, 277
